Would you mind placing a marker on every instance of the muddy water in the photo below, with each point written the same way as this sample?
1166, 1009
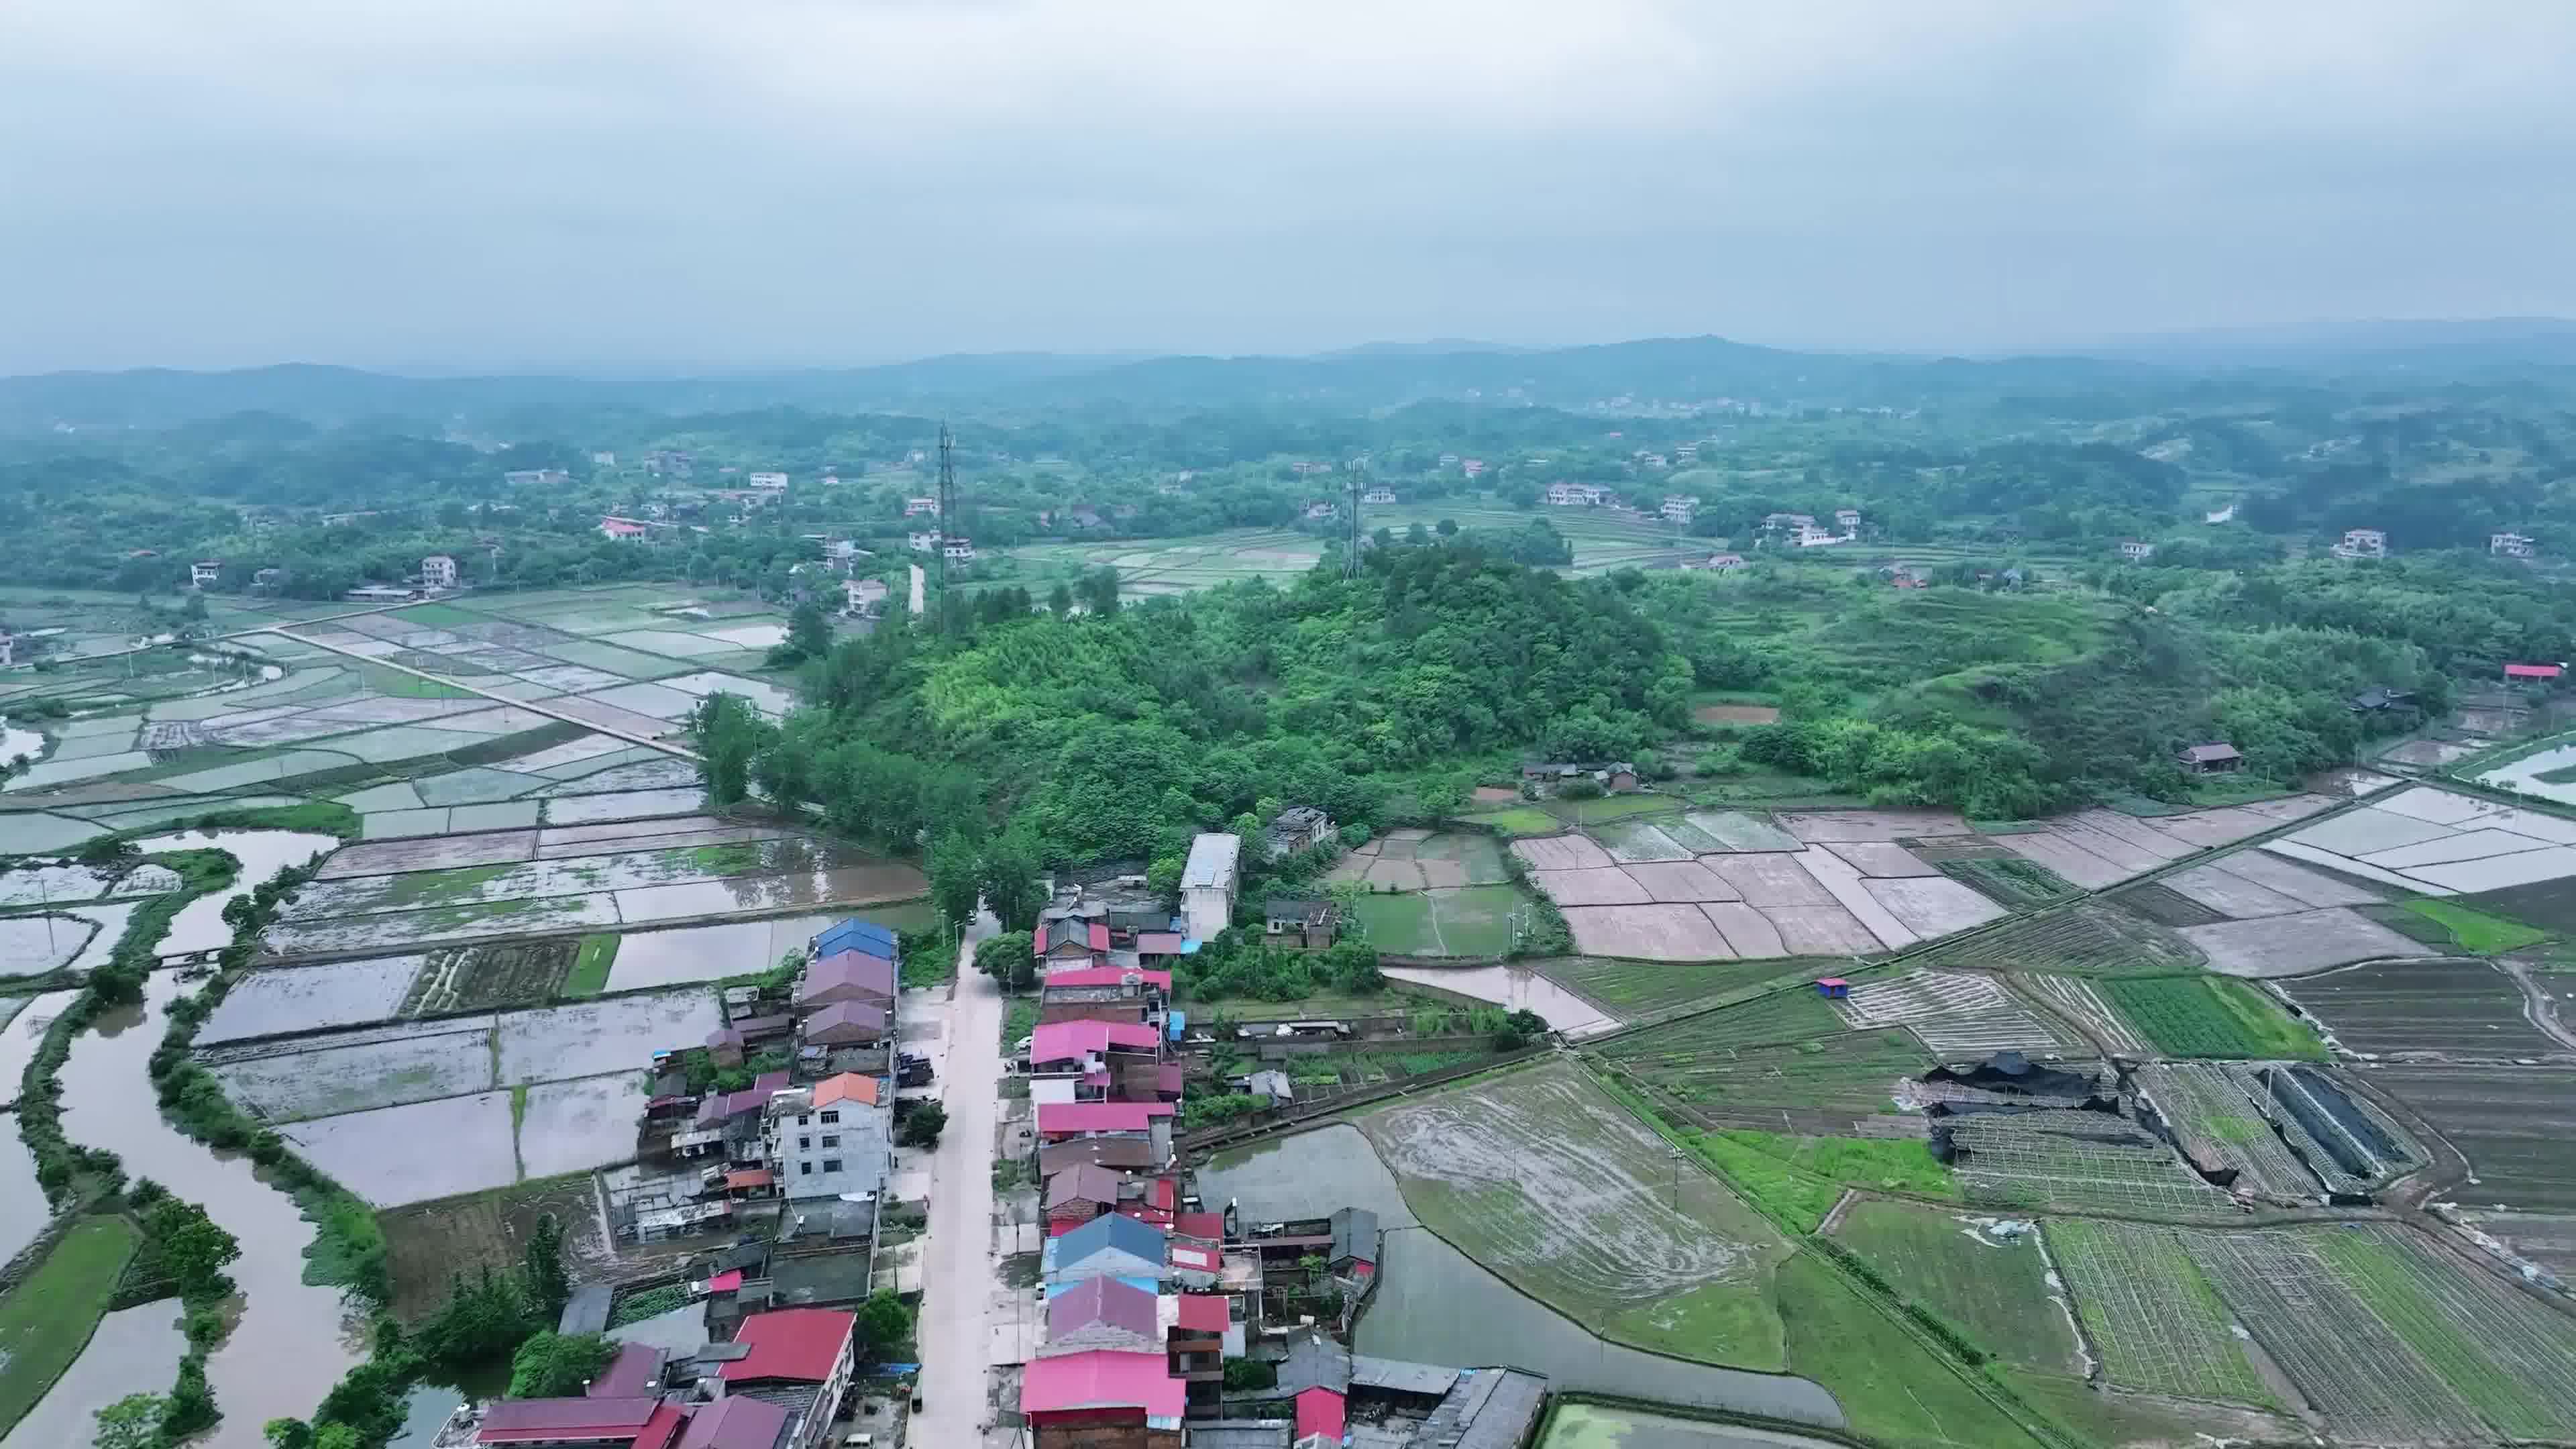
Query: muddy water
1434, 1304
290, 1343
262, 853
136, 1350
22, 1205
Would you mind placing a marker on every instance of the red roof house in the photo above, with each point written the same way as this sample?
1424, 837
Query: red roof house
635, 1373
1320, 1411
1200, 1312
1103, 1313
2534, 671
1060, 1120
734, 1423
1074, 1041
794, 1345
1107, 976
1104, 1386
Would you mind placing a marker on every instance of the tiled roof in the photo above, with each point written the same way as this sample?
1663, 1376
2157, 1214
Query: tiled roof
802, 1344
1102, 1380
1058, 1041
847, 1087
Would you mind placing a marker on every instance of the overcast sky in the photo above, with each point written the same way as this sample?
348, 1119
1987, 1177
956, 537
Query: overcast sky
631, 184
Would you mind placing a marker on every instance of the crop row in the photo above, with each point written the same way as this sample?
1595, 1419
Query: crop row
2083, 940
2155, 1320
2207, 1016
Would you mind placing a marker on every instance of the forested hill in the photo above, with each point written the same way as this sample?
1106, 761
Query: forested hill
1120, 731
1099, 731
1614, 377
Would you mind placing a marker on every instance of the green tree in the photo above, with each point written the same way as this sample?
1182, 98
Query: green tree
1010, 881
885, 1322
543, 1276
956, 883
132, 1422
1060, 600
1447, 527
729, 732
1444, 795
922, 1126
287, 1434
1010, 959
194, 1247
551, 1365
482, 1320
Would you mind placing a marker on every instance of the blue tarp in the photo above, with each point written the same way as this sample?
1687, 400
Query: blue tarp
850, 933
1179, 1022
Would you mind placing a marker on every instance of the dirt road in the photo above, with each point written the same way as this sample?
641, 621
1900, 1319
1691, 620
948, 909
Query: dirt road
958, 1268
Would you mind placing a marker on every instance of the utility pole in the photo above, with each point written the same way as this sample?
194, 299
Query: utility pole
1351, 534
947, 512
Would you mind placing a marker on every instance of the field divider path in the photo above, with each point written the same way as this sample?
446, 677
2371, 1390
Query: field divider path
538, 707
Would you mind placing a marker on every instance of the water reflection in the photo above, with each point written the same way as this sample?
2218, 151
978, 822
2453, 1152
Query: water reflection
136, 1350
200, 924
22, 1204
291, 1341
1434, 1304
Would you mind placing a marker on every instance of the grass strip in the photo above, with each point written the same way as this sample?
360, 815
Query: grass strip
47, 1322
589, 974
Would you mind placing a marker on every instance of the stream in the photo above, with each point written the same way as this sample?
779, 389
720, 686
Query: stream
290, 1341
263, 853
22, 1204
1436, 1305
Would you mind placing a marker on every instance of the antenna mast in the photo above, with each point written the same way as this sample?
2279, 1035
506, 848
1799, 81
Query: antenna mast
1351, 536
947, 507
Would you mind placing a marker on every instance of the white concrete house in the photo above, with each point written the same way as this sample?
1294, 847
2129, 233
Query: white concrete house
438, 571
1208, 881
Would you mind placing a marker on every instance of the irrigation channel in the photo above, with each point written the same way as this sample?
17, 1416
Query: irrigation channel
1434, 1304
22, 1203
290, 1341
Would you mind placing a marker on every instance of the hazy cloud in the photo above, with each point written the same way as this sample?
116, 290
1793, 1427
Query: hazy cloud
642, 183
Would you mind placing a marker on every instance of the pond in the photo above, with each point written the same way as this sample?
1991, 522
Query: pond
200, 925
290, 1341
1436, 1305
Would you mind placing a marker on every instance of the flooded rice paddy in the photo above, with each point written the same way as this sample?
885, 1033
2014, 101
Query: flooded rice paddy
134, 1350
34, 945
1434, 1304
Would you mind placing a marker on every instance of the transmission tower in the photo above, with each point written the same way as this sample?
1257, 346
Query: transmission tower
947, 507
1351, 530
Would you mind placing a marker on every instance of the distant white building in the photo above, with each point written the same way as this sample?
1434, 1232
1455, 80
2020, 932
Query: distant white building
914, 507
1678, 507
604, 459
863, 597
1208, 881
1576, 495
1686, 454
2362, 543
2509, 545
438, 571
2136, 550
536, 477
1848, 521
768, 480
1378, 495
1792, 522
961, 550
205, 572
1810, 536
1318, 512
925, 542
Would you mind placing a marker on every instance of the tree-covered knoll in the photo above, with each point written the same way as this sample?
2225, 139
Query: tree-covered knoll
1115, 733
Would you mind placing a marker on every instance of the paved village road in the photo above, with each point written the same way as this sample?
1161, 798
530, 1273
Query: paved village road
959, 1271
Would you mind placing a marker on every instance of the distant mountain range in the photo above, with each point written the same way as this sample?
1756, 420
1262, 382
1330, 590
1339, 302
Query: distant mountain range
1360, 379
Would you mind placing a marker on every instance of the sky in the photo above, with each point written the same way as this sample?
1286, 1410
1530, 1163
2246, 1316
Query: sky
632, 186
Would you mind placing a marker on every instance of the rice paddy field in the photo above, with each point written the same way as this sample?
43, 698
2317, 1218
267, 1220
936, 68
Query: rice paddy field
1988, 1276
1541, 1176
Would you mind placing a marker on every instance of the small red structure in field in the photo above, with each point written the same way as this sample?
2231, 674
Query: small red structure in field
2534, 671
1832, 987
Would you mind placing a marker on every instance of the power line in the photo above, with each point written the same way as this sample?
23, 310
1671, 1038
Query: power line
947, 509
1351, 532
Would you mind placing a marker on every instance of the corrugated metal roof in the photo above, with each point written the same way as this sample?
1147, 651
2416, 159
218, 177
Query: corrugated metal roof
1400, 1375
1212, 862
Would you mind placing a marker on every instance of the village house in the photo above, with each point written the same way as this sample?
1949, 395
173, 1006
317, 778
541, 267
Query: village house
914, 507
926, 541
2362, 543
2137, 550
1720, 562
853, 935
535, 477
602, 458
2379, 699
2533, 675
1847, 520
1300, 925
1615, 777
1103, 1400
1576, 495
1472, 467
847, 1023
831, 1139
1792, 522
1378, 495
772, 481
1208, 882
1678, 508
438, 571
205, 572
2211, 759
1811, 536
854, 973
1299, 827
1150, 1122
612, 526
1318, 512
1071, 939
863, 598
957, 549
1103, 993
2509, 545
798, 1356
